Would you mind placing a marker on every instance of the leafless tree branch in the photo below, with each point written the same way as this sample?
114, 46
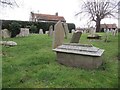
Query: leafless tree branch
10, 3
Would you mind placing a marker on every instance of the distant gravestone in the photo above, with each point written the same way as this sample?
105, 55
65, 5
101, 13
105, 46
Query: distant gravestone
84, 31
5, 33
76, 37
23, 32
111, 31
27, 32
41, 31
46, 32
92, 31
106, 34
58, 35
66, 29
50, 33
114, 32
73, 30
92, 34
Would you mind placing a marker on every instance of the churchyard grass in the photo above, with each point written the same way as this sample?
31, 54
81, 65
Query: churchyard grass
32, 64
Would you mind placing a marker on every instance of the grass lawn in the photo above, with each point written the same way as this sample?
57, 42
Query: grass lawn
32, 64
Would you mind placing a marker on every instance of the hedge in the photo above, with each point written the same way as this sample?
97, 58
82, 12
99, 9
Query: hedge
14, 29
27, 24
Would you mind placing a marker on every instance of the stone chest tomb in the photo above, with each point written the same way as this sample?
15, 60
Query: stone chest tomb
79, 55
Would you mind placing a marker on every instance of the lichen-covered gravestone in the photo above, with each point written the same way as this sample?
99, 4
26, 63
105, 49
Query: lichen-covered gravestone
58, 34
76, 37
5, 33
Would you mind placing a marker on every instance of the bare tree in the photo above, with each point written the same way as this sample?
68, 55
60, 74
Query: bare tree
5, 3
10, 3
97, 10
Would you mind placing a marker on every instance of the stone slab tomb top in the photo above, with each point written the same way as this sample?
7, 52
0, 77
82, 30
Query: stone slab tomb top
83, 49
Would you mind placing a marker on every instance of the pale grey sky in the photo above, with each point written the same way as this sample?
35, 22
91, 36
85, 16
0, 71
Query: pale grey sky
66, 8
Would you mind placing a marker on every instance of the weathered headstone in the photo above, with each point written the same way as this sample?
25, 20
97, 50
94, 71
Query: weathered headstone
46, 32
41, 31
111, 31
106, 34
76, 37
66, 29
5, 33
58, 34
27, 32
114, 32
50, 33
23, 32
92, 31
92, 34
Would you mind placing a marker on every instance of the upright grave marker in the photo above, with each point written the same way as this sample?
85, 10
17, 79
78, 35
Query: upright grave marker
23, 32
58, 35
76, 37
5, 33
66, 30
41, 31
50, 33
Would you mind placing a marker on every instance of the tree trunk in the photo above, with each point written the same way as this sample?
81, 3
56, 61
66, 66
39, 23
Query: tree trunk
98, 25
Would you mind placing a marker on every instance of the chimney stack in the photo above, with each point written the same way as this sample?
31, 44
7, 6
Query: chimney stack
56, 13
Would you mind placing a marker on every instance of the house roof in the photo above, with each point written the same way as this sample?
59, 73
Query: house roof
48, 17
108, 26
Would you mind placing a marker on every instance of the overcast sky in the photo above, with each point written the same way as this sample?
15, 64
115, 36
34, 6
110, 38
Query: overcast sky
65, 8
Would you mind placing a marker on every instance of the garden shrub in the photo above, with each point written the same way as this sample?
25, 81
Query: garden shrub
14, 28
71, 26
39, 25
33, 29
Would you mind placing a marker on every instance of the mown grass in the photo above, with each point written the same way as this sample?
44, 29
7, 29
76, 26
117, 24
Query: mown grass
32, 64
